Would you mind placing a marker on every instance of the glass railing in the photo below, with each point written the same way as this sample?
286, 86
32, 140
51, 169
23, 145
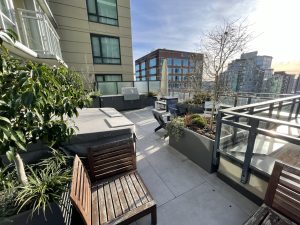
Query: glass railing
115, 87
257, 134
38, 34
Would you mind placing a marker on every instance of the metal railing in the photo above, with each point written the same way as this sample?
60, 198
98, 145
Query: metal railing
261, 118
38, 34
7, 22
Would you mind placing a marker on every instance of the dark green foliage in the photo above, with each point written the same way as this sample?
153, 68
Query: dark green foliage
200, 98
35, 103
176, 128
151, 94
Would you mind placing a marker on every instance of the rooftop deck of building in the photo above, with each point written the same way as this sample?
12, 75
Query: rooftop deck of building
184, 192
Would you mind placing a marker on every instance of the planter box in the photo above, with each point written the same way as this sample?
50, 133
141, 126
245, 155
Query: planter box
196, 147
184, 108
118, 102
95, 102
195, 109
53, 217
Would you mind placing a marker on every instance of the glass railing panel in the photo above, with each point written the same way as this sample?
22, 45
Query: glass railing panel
107, 88
154, 86
123, 84
38, 33
142, 86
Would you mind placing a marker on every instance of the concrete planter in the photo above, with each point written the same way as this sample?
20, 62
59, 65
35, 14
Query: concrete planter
184, 108
53, 216
195, 108
118, 102
95, 102
196, 147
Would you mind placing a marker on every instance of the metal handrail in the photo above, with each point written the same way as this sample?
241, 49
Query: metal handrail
231, 117
47, 37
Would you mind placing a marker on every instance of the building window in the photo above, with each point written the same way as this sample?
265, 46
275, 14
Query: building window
152, 71
103, 11
177, 62
143, 73
106, 50
143, 65
152, 62
170, 70
185, 71
162, 60
152, 78
185, 62
137, 73
170, 61
108, 77
137, 67
177, 71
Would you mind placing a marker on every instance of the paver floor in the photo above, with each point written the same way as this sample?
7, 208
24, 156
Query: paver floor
185, 193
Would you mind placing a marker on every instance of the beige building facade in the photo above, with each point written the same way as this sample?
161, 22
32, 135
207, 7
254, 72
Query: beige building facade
95, 37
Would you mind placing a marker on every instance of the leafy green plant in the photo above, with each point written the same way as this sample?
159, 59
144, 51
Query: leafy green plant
176, 128
36, 103
151, 94
7, 178
201, 97
46, 183
196, 120
8, 189
93, 94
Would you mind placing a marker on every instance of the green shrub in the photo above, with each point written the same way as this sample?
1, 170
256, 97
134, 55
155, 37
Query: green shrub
176, 128
199, 122
151, 94
196, 119
200, 98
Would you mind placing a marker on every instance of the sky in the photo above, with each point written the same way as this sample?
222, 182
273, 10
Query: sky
179, 25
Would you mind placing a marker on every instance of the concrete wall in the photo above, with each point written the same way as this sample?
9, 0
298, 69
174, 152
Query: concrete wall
74, 31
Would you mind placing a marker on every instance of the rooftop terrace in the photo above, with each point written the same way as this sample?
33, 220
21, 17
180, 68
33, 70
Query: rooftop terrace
184, 192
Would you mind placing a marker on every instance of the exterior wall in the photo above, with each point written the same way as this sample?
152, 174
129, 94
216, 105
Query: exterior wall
288, 82
75, 30
177, 80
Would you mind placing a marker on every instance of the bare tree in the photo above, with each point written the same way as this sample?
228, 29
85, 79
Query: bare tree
197, 74
219, 46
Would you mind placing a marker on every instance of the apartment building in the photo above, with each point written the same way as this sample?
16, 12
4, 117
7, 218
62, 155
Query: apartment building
247, 73
95, 38
35, 25
288, 82
181, 66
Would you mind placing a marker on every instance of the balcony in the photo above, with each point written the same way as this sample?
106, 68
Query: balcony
38, 34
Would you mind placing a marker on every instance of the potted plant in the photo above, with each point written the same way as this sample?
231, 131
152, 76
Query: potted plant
95, 96
36, 104
191, 136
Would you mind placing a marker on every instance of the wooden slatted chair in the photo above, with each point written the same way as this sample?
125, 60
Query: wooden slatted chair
282, 199
117, 194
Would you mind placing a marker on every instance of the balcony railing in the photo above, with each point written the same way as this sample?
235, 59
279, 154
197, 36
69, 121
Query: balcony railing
38, 34
6, 21
257, 130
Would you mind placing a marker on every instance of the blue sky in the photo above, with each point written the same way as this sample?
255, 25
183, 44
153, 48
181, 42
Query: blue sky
178, 24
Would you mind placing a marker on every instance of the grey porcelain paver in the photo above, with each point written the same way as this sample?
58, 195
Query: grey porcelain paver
201, 205
185, 193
